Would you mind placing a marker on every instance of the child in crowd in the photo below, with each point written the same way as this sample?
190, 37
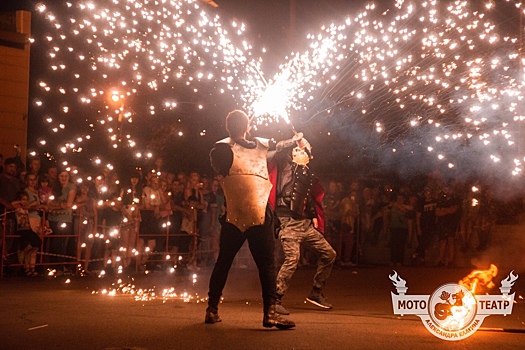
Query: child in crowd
44, 194
44, 191
29, 240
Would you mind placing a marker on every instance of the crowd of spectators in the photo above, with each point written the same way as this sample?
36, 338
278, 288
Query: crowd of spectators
409, 218
99, 222
155, 218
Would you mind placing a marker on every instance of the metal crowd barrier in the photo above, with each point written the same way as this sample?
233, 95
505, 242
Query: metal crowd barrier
9, 244
10, 236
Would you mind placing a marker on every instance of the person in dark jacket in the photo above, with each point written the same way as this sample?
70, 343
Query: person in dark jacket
296, 211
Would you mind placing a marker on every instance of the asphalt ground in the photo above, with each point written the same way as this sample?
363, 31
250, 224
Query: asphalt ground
81, 312
49, 313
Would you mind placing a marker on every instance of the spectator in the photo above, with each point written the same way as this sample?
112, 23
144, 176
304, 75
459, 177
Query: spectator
206, 223
44, 191
194, 198
61, 219
10, 186
30, 242
163, 216
131, 196
426, 227
398, 223
177, 242
159, 169
85, 222
194, 193
470, 214
113, 185
52, 174
448, 217
22, 177
169, 179
183, 179
34, 166
35, 219
98, 190
349, 214
487, 219
149, 225
413, 215
368, 204
111, 229
331, 202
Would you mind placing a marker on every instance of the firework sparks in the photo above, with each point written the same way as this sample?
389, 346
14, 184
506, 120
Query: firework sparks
440, 73
110, 63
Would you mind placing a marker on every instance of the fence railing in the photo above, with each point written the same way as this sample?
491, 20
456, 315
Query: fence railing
101, 244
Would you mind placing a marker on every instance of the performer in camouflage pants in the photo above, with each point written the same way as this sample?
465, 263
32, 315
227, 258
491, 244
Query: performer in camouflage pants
295, 208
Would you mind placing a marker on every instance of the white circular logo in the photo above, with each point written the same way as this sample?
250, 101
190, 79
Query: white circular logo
452, 307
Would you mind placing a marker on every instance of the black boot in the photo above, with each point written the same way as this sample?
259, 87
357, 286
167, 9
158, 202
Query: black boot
273, 319
212, 316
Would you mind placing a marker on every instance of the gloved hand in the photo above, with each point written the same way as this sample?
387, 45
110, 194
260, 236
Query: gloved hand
300, 140
303, 143
298, 136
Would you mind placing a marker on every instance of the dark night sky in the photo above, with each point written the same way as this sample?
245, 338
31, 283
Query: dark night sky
270, 21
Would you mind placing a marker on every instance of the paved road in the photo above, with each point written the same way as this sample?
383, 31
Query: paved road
48, 313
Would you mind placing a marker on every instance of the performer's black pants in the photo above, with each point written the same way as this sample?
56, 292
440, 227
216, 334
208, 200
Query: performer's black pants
262, 243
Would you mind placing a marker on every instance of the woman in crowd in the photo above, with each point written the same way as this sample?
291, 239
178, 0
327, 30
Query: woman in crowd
398, 229
129, 231
61, 217
150, 210
87, 210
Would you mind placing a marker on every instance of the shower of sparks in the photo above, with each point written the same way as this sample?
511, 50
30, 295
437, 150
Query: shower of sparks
113, 62
121, 287
440, 72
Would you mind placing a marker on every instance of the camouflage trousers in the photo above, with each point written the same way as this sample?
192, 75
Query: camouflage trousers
293, 233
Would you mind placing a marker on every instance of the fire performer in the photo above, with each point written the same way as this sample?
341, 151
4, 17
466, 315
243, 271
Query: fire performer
243, 164
296, 211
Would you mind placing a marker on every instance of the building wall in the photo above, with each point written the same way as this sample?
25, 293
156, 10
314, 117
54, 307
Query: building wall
14, 83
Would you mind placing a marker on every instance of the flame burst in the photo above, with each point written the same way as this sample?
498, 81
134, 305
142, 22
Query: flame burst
480, 280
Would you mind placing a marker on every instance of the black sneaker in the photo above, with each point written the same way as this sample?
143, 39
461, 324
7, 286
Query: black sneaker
319, 300
212, 317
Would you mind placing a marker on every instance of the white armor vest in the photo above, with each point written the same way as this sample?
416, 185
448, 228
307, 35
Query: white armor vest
247, 187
